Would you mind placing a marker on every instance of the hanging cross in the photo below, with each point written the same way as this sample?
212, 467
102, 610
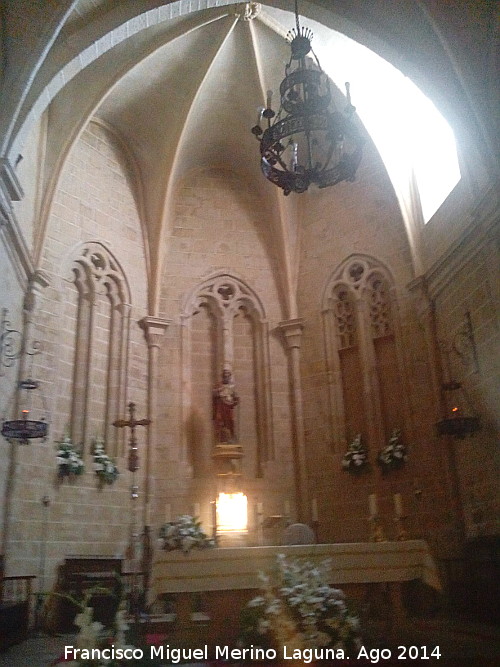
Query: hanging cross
133, 466
133, 458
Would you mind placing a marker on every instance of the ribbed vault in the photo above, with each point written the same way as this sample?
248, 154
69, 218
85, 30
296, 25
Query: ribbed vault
168, 79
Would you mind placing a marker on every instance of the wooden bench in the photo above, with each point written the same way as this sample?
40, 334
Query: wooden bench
80, 574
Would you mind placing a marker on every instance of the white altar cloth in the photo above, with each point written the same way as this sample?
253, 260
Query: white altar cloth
221, 569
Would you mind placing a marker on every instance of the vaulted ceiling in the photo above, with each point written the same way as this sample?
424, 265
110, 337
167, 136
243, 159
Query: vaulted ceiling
180, 82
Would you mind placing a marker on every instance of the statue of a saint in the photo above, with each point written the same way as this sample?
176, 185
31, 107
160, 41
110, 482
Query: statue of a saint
224, 400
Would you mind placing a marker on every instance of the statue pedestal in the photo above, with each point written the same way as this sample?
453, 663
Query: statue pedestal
227, 458
231, 540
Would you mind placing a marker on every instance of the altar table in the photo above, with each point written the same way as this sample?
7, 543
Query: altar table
238, 568
226, 578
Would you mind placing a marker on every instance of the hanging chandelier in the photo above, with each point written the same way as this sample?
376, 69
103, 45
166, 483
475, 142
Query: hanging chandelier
27, 403
307, 140
26, 429
460, 421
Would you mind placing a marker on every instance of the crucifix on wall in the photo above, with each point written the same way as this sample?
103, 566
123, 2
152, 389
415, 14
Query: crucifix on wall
132, 422
133, 466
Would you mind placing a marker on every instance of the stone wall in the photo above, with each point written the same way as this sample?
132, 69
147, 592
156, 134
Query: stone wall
220, 224
363, 219
94, 203
465, 288
11, 314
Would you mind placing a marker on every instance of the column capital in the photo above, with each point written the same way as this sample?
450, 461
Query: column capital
154, 328
292, 331
9, 181
37, 282
423, 301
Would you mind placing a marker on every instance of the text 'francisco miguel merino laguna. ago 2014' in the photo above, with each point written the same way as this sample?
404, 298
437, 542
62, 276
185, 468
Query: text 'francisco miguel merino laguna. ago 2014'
307, 655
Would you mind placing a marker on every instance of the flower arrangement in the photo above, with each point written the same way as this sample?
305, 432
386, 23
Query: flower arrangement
299, 610
356, 457
105, 468
184, 534
69, 461
395, 454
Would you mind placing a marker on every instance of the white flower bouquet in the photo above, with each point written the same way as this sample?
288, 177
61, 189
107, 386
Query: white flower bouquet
395, 454
104, 467
69, 461
299, 609
356, 457
184, 534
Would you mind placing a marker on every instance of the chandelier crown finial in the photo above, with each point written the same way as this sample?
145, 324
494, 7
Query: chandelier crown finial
300, 41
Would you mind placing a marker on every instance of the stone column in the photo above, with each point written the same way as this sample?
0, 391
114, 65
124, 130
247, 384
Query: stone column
154, 329
37, 282
227, 341
292, 333
334, 377
10, 231
426, 311
371, 388
425, 308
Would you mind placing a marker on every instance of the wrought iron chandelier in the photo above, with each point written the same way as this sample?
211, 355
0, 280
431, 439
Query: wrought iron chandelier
25, 429
459, 421
307, 140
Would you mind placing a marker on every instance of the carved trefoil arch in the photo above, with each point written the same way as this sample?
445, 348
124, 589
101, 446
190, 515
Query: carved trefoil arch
226, 296
101, 340
362, 349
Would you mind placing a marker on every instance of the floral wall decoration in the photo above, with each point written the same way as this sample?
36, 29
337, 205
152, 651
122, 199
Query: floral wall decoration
395, 454
69, 461
104, 466
184, 534
356, 457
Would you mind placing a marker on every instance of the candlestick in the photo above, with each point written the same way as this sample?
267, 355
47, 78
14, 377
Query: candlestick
260, 523
401, 534
398, 505
372, 504
376, 530
213, 505
287, 508
314, 509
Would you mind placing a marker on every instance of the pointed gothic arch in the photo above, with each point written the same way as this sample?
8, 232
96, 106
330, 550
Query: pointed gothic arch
101, 303
363, 356
226, 297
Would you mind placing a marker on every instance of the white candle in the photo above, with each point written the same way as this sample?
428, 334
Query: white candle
293, 161
314, 509
168, 513
196, 509
398, 505
260, 111
269, 98
372, 504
